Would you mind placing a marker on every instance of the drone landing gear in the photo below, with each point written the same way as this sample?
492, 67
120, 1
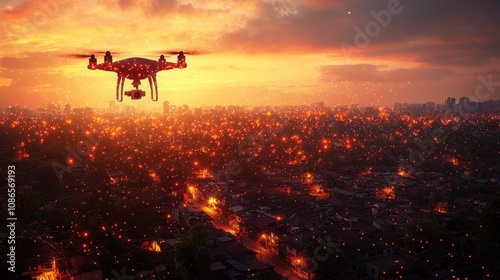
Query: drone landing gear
153, 79
119, 87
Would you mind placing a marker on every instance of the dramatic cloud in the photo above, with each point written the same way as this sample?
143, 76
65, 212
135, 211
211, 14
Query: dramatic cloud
375, 73
431, 32
36, 11
258, 51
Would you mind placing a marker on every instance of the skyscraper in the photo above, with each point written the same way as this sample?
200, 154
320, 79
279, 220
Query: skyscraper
464, 104
67, 109
450, 104
52, 109
166, 107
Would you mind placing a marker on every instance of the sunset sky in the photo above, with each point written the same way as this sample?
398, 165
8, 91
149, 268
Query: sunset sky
258, 52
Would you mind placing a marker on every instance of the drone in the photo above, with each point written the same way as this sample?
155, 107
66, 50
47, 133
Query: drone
136, 69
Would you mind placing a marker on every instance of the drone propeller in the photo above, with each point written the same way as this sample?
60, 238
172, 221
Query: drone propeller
83, 55
75, 55
190, 52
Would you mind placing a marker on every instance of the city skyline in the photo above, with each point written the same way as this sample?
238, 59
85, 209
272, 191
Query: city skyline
256, 52
463, 106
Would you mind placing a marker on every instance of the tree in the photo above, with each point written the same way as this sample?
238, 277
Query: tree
192, 254
428, 230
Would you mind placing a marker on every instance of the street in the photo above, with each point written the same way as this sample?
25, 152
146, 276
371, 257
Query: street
263, 255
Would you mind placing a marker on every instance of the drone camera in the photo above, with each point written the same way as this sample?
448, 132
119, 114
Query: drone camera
135, 94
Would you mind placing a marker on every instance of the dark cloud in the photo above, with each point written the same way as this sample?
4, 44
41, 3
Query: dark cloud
375, 73
160, 8
447, 32
325, 4
127, 4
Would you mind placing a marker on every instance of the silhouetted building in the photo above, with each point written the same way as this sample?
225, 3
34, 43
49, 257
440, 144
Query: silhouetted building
166, 107
67, 109
185, 109
466, 105
83, 112
450, 104
52, 109
27, 112
13, 111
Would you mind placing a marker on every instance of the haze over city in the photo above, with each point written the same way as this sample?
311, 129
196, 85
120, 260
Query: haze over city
286, 52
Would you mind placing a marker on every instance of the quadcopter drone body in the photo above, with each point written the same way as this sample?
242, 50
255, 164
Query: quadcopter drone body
136, 69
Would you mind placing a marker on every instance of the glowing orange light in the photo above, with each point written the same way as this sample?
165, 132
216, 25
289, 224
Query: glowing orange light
212, 202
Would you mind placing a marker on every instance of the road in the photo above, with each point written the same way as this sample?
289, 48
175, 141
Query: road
267, 257
263, 255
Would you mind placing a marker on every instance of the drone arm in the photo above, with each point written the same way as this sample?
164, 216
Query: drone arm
165, 66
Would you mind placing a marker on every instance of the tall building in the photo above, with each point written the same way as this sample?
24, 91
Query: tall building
166, 107
13, 111
429, 107
52, 109
450, 104
185, 109
67, 109
83, 112
464, 103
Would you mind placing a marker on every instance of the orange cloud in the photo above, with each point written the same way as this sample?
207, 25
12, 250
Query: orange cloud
5, 82
35, 11
374, 73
